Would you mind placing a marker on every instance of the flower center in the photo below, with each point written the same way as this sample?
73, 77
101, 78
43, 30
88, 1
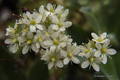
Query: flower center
32, 22
87, 50
29, 42
38, 39
60, 24
53, 59
15, 40
99, 40
69, 55
25, 30
91, 59
56, 42
47, 33
103, 50
51, 10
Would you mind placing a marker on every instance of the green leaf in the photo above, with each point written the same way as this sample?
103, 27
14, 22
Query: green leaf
109, 70
39, 71
91, 19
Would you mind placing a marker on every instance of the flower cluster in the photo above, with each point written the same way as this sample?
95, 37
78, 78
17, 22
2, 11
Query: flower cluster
96, 51
44, 32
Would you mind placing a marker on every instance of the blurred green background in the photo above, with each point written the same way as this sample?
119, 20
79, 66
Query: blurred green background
87, 16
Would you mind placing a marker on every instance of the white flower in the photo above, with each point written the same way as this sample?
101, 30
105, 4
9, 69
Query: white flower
85, 50
92, 61
60, 24
101, 38
57, 39
70, 54
10, 31
52, 10
104, 51
28, 43
33, 20
13, 41
38, 39
53, 57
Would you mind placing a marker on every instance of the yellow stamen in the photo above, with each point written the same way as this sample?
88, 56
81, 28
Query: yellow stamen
47, 33
103, 50
56, 42
32, 22
60, 24
15, 40
51, 10
29, 42
38, 39
53, 59
99, 40
91, 59
87, 50
69, 55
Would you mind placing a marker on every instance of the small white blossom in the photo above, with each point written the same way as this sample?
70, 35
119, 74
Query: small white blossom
85, 50
92, 61
101, 38
13, 42
28, 43
104, 51
53, 57
70, 54
33, 20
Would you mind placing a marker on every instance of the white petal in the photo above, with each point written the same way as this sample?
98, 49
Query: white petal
76, 51
75, 60
111, 51
37, 45
8, 41
29, 15
34, 48
54, 27
38, 19
104, 57
25, 49
58, 9
97, 53
94, 35
98, 45
59, 64
103, 35
50, 65
29, 35
40, 27
62, 44
41, 9
66, 61
14, 48
55, 20
96, 67
69, 47
67, 24
83, 48
106, 44
66, 12
81, 54
52, 49
48, 42
62, 29
63, 53
85, 64
49, 5
32, 28
21, 39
